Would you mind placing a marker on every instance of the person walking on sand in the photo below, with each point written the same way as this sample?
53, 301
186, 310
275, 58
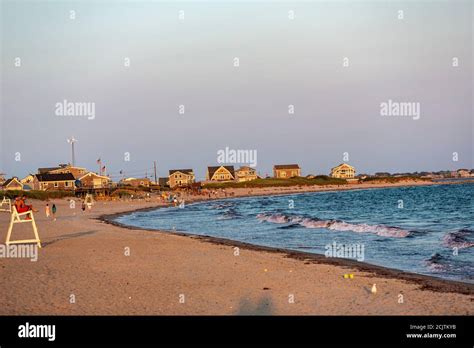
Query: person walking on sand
53, 210
46, 210
83, 205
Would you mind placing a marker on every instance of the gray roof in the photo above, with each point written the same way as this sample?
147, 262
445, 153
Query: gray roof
185, 171
55, 177
286, 166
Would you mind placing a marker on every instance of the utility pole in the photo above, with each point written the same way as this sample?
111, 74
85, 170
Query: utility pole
154, 166
71, 141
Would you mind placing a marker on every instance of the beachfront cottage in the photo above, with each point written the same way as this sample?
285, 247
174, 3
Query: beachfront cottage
283, 171
464, 173
246, 173
28, 180
94, 181
12, 184
343, 171
222, 173
54, 182
136, 182
181, 177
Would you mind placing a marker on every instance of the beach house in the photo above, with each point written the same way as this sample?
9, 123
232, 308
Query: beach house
28, 180
343, 171
464, 173
94, 181
12, 184
246, 173
283, 171
54, 182
180, 177
220, 173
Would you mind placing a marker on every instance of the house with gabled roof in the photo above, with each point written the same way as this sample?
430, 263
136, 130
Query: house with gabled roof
343, 171
181, 177
246, 173
220, 173
284, 171
12, 184
94, 181
28, 180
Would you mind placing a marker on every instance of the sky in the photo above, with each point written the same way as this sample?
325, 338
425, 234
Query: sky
283, 61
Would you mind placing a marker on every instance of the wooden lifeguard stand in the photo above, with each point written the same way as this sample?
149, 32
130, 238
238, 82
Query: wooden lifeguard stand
6, 202
16, 218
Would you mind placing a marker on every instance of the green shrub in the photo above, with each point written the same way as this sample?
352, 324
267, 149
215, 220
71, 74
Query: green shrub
35, 194
394, 179
274, 182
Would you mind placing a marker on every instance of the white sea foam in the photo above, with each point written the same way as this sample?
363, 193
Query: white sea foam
335, 225
458, 239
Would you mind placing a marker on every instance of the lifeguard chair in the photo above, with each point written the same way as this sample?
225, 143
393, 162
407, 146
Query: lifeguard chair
6, 205
16, 218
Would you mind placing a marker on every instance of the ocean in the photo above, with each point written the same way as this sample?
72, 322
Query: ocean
424, 229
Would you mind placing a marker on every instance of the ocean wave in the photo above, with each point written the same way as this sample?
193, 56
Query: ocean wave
460, 239
335, 225
228, 214
436, 263
222, 205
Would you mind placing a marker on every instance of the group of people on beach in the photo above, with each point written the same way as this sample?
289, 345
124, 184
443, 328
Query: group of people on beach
167, 197
49, 211
22, 207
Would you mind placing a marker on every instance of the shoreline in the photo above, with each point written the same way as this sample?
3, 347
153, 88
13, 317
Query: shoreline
428, 282
84, 255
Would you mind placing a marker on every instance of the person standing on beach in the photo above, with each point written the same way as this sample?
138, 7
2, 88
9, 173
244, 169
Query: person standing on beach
83, 205
46, 210
53, 209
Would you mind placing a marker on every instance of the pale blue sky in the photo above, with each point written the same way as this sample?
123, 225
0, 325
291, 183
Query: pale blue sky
282, 62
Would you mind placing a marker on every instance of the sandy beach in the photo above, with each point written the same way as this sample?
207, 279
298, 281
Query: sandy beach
170, 274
